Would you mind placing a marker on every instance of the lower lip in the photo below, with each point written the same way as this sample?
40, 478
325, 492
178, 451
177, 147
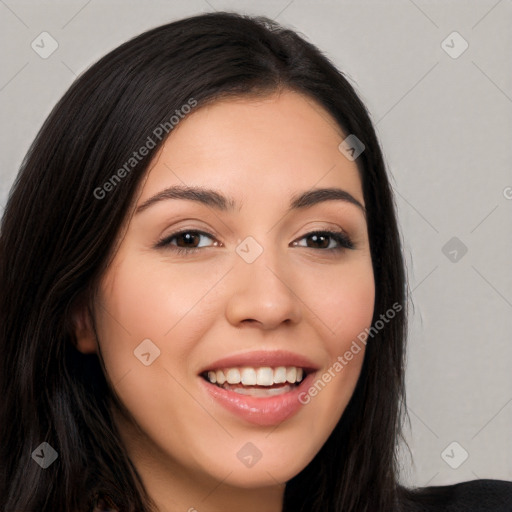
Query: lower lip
263, 411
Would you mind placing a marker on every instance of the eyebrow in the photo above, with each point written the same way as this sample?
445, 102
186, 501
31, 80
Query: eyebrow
221, 202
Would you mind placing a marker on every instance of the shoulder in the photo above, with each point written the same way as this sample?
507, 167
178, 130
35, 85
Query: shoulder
471, 496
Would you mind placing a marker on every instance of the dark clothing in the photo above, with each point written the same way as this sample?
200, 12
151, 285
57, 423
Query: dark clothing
471, 496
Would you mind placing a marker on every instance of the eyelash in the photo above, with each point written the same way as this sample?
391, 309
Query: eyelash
341, 238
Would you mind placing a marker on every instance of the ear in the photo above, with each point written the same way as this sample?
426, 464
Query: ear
85, 335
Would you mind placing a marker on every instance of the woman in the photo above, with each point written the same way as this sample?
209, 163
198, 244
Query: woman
203, 294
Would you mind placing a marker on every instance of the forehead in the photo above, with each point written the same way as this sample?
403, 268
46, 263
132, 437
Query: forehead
261, 147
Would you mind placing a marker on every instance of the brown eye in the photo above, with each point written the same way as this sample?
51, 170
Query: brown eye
320, 241
186, 241
327, 240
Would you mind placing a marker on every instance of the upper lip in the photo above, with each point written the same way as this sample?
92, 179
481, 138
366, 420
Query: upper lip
260, 358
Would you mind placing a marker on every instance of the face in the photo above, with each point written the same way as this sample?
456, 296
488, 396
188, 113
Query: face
224, 273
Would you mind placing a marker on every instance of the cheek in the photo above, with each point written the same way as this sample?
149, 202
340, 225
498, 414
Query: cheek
160, 304
342, 300
153, 301
343, 303
168, 305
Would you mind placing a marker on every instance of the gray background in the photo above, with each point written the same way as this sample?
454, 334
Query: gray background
445, 125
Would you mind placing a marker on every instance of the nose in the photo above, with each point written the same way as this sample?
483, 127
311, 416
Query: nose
261, 294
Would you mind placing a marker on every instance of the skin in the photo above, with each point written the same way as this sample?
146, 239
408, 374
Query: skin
199, 307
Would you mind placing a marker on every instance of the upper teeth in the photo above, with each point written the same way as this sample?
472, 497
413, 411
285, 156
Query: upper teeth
264, 376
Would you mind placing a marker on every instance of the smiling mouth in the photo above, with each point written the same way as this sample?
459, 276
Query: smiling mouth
261, 381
